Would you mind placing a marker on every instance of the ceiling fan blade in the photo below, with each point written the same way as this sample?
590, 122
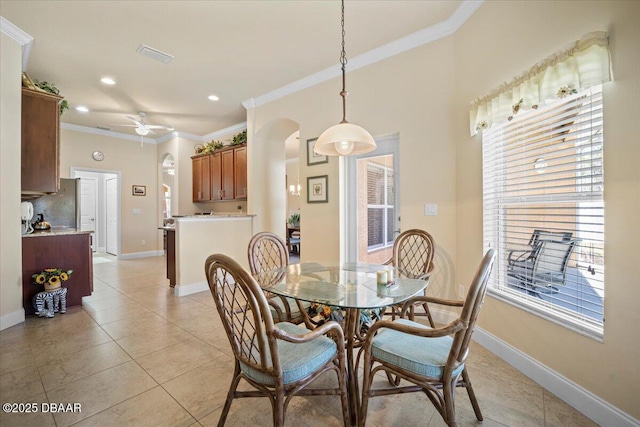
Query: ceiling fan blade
150, 131
136, 121
127, 126
156, 127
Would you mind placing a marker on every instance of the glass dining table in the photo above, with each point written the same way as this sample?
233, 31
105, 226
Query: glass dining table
351, 287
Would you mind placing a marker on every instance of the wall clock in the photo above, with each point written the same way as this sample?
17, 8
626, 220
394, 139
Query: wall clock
98, 156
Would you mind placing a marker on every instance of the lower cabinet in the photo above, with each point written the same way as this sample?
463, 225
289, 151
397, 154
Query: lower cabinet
65, 251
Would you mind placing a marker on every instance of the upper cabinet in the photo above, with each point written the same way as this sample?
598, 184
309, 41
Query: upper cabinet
40, 142
201, 179
240, 173
225, 173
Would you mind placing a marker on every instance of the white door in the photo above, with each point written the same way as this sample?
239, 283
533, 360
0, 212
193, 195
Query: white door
112, 216
89, 208
372, 208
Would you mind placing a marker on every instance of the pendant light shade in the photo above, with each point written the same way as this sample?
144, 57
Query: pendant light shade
344, 139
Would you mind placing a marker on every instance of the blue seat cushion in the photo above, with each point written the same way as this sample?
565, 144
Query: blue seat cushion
420, 355
298, 361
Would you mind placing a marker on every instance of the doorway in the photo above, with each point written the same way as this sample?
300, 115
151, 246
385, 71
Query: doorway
372, 214
99, 208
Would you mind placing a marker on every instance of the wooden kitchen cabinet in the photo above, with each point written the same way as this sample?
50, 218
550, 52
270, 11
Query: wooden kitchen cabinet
227, 175
216, 176
240, 173
201, 179
40, 142
70, 251
221, 175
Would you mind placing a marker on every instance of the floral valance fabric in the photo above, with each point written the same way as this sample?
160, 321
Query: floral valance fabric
585, 63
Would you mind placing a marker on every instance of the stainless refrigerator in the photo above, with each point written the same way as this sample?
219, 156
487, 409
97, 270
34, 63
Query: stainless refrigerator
61, 210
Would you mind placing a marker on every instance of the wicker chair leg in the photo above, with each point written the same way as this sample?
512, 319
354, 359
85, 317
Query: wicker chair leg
344, 393
449, 412
278, 408
472, 395
230, 395
428, 312
366, 389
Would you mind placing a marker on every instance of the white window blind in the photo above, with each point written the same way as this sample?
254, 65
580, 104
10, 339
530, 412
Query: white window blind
544, 210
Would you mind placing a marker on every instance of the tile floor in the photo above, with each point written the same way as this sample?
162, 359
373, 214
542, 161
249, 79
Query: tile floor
135, 355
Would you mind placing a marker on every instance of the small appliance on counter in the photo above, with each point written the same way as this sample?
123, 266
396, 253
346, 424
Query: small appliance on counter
26, 216
41, 224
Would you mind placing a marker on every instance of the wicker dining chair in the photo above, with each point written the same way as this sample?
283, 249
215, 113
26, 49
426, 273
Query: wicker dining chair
268, 251
280, 359
432, 359
413, 252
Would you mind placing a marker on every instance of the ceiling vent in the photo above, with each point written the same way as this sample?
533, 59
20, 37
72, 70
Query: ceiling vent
103, 128
154, 54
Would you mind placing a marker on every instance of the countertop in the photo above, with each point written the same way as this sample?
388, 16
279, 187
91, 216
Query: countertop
56, 232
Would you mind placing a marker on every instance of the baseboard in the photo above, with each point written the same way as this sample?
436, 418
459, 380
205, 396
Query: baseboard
134, 255
191, 288
585, 402
11, 319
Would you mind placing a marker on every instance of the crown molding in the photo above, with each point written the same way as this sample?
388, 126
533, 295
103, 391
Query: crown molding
159, 140
24, 39
419, 38
102, 132
226, 131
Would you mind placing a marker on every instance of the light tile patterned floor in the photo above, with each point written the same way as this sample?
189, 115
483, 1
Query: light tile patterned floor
134, 355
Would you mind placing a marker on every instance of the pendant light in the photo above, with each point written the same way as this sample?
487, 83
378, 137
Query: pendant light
345, 138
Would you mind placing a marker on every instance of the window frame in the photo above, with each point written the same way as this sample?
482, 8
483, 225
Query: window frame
495, 205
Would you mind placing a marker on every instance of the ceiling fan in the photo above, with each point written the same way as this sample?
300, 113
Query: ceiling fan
141, 127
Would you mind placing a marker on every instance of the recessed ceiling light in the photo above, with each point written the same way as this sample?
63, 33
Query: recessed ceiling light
213, 98
82, 109
108, 81
170, 129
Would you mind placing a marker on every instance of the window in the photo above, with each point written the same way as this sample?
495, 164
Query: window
380, 203
544, 211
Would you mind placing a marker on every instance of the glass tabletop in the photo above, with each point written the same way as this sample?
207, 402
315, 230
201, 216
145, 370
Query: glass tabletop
348, 285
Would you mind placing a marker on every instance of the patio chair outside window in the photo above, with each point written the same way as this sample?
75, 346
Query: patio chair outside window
546, 267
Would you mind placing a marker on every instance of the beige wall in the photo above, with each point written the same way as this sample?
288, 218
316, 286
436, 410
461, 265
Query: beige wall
138, 166
11, 241
497, 43
424, 95
409, 94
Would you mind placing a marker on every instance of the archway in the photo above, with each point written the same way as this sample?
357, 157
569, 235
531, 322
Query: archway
266, 175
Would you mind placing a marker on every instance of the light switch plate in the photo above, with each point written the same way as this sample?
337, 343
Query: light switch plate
137, 211
430, 209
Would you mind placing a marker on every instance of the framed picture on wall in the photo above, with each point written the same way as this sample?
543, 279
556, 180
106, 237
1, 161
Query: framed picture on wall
139, 190
317, 189
312, 157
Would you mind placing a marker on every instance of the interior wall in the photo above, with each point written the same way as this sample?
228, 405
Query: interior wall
11, 311
496, 44
409, 94
137, 166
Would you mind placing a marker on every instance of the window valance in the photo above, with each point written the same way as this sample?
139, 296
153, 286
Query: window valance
585, 63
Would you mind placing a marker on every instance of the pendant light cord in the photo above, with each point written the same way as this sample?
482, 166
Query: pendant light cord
343, 61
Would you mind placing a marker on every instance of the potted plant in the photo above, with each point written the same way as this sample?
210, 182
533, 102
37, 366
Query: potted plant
239, 138
294, 219
51, 278
51, 88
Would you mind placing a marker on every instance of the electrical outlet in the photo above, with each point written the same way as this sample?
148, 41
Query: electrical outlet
144, 242
461, 290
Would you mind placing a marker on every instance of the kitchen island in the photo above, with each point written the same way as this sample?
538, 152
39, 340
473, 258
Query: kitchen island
193, 238
64, 248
